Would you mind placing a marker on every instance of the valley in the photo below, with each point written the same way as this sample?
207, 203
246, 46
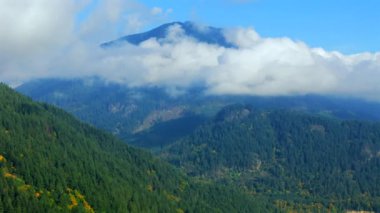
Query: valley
50, 161
294, 156
252, 106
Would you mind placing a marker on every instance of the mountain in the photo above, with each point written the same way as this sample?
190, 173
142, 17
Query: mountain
294, 156
50, 162
130, 113
210, 35
150, 117
286, 159
305, 153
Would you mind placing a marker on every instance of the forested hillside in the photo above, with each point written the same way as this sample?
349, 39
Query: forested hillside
285, 159
146, 116
290, 156
50, 162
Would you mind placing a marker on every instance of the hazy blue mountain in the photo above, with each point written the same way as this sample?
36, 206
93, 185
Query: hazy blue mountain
204, 34
126, 112
146, 116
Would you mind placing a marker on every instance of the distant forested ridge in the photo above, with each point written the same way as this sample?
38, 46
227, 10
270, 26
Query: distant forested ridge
146, 116
50, 162
291, 156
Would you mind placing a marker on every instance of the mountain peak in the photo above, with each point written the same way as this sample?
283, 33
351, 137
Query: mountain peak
201, 33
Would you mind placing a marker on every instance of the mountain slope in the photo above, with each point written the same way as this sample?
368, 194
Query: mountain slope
51, 162
127, 112
210, 35
145, 116
295, 156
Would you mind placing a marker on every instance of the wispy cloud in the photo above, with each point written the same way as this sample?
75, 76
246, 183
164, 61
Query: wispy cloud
32, 46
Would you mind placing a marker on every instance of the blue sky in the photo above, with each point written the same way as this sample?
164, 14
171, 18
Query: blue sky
349, 26
32, 46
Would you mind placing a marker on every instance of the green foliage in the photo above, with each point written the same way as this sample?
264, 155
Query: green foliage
166, 133
117, 109
122, 110
52, 162
295, 157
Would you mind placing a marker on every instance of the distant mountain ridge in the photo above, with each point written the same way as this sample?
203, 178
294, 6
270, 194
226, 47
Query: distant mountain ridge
151, 113
206, 34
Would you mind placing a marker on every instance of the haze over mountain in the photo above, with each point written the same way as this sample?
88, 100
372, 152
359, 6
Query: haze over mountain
184, 58
150, 117
178, 56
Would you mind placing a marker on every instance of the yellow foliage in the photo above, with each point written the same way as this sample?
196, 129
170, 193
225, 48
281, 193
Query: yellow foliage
2, 159
180, 211
9, 175
88, 207
173, 197
37, 194
76, 197
74, 201
79, 195
149, 187
24, 187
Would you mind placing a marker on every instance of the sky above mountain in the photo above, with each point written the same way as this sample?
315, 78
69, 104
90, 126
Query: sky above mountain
348, 26
283, 47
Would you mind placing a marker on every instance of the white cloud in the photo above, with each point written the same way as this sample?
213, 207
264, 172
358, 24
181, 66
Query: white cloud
114, 18
160, 11
31, 31
259, 66
156, 10
39, 38
242, 37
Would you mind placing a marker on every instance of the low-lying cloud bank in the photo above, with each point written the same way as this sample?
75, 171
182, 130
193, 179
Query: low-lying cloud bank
44, 39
